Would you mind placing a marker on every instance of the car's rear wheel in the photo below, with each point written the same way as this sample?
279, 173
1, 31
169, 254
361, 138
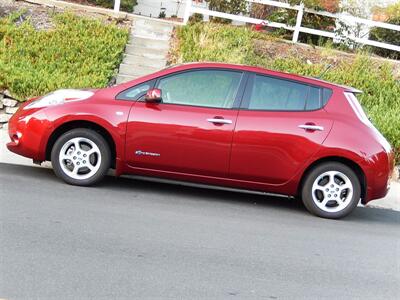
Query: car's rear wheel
331, 190
81, 157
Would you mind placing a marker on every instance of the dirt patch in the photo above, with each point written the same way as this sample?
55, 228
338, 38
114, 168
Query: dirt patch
40, 15
276, 48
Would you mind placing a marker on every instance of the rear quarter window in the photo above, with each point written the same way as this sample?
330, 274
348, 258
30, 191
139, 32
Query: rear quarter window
276, 94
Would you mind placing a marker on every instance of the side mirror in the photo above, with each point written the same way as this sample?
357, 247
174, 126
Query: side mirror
153, 96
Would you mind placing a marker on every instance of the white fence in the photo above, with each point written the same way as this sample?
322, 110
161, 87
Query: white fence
348, 19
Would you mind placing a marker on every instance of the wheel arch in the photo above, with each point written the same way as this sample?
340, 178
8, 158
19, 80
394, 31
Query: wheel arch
348, 162
63, 128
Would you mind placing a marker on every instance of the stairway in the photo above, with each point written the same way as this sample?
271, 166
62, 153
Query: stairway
147, 49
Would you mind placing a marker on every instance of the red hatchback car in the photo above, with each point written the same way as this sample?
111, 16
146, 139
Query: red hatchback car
224, 125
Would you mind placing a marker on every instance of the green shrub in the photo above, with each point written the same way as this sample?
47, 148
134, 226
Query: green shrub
126, 5
195, 18
77, 53
381, 97
289, 16
234, 7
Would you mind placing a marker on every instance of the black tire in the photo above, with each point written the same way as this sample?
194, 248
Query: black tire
307, 194
94, 137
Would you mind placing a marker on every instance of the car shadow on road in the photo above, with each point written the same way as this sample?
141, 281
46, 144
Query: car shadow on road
293, 205
207, 194
123, 184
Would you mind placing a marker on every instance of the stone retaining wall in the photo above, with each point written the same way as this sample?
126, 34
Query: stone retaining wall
8, 106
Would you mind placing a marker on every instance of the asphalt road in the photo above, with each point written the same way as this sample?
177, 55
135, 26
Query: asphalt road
130, 239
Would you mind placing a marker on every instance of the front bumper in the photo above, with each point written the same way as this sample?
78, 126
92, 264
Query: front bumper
28, 131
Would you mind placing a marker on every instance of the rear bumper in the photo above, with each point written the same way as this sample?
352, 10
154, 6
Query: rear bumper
378, 172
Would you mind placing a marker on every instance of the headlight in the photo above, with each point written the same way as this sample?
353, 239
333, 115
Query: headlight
59, 97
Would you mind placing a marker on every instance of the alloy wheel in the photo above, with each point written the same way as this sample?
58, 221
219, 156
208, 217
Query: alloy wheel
332, 191
80, 158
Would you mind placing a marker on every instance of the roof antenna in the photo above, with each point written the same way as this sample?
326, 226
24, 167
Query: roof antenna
324, 71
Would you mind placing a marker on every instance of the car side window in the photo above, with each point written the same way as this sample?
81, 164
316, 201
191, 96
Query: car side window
135, 92
208, 88
314, 98
326, 94
269, 93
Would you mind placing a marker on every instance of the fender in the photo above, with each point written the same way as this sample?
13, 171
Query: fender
115, 126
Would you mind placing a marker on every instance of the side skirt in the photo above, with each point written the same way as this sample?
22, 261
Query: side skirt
204, 186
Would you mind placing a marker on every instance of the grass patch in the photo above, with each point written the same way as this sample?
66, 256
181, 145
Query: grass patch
78, 52
222, 43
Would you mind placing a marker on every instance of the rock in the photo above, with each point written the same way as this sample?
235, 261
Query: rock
7, 94
9, 102
11, 110
1, 104
4, 117
396, 173
1, 125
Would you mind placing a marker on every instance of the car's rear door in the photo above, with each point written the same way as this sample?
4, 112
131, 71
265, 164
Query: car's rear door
279, 128
191, 130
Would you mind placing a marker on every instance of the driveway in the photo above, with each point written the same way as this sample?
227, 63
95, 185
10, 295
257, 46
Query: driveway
132, 239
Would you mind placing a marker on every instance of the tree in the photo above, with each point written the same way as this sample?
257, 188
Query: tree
310, 20
386, 35
126, 5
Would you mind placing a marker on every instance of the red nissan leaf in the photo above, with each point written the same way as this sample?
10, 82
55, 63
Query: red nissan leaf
231, 126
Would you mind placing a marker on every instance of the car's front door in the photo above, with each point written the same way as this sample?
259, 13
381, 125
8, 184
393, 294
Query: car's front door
191, 130
279, 128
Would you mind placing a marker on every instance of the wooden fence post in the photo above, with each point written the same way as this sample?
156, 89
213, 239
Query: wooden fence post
187, 11
298, 23
117, 4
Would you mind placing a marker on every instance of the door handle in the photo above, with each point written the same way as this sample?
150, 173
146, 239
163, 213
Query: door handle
219, 121
311, 127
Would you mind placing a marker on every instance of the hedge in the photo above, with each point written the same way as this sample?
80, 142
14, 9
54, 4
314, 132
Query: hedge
78, 52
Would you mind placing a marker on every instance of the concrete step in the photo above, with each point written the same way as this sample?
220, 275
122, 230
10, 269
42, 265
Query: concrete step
147, 49
160, 29
136, 69
149, 33
141, 61
160, 54
149, 43
149, 30
154, 24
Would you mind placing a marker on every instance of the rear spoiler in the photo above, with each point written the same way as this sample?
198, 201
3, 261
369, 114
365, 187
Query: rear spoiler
350, 89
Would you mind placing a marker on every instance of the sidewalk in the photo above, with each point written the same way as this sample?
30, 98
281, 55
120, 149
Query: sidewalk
391, 201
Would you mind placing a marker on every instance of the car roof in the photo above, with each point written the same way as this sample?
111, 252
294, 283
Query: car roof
286, 75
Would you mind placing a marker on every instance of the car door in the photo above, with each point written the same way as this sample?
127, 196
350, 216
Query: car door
279, 128
191, 130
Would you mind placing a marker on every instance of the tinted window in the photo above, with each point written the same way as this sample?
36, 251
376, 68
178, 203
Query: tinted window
314, 98
327, 93
268, 93
210, 88
134, 93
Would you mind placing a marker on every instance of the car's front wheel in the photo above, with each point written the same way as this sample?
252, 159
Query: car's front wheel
331, 190
81, 157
